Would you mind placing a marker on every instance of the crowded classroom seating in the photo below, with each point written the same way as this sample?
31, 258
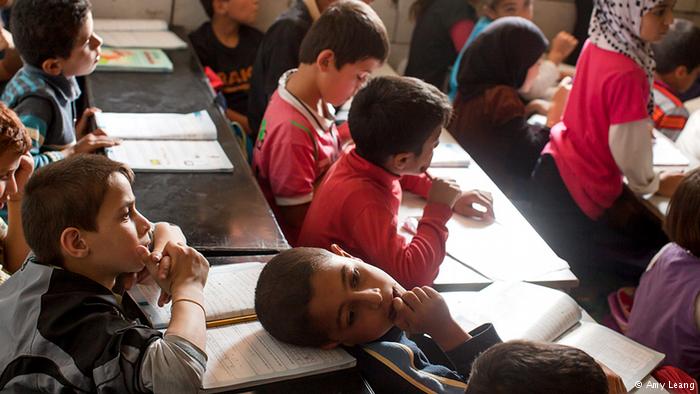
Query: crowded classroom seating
356, 196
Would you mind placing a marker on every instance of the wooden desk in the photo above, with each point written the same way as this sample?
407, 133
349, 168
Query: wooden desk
219, 213
512, 247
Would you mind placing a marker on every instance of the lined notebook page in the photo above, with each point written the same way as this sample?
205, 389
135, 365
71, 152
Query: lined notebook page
229, 292
245, 354
157, 126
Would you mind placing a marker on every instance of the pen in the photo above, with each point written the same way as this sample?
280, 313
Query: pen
232, 320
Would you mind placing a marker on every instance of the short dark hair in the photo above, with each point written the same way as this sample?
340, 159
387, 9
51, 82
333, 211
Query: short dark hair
208, 6
679, 47
13, 135
283, 293
351, 29
45, 29
682, 224
67, 193
392, 115
527, 367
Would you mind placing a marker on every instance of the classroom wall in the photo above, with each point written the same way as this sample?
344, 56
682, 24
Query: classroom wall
551, 15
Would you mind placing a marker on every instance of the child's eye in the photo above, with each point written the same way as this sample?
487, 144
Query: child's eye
355, 278
351, 318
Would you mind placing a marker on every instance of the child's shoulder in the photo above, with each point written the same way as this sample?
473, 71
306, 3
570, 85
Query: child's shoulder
24, 83
251, 33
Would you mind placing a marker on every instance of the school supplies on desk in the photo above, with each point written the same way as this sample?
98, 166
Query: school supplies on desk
520, 310
160, 142
229, 296
448, 154
137, 33
245, 355
134, 60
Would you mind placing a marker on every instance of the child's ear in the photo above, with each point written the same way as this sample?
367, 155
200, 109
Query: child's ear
330, 345
399, 162
325, 60
340, 252
52, 66
73, 243
680, 72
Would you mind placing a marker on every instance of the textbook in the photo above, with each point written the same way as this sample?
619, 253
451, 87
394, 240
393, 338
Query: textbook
137, 33
229, 296
160, 142
134, 60
520, 310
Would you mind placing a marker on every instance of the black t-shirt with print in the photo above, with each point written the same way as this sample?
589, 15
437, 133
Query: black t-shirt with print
233, 65
432, 51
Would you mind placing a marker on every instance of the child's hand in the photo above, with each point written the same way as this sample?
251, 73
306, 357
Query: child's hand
668, 182
82, 124
423, 310
444, 191
24, 171
562, 46
465, 205
98, 139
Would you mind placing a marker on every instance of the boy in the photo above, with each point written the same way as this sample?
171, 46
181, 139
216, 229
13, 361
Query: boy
16, 166
677, 67
298, 141
395, 123
44, 91
67, 332
311, 297
228, 46
540, 368
279, 52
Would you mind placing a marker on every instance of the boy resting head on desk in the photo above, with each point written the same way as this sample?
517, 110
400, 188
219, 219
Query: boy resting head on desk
396, 123
298, 140
57, 43
312, 297
68, 331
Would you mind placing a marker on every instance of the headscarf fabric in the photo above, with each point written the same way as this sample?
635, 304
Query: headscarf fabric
616, 26
500, 55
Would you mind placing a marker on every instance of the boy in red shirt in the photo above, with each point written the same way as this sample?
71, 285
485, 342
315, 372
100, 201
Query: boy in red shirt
298, 139
395, 123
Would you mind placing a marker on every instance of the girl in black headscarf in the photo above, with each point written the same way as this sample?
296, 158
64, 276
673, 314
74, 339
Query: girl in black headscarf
490, 118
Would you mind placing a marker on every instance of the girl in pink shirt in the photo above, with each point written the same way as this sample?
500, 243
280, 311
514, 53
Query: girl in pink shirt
605, 135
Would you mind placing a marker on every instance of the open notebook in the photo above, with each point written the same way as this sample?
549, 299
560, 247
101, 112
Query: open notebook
137, 33
229, 296
165, 142
520, 310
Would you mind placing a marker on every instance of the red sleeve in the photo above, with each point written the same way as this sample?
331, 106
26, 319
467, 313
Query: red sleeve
292, 169
411, 264
418, 184
460, 31
627, 95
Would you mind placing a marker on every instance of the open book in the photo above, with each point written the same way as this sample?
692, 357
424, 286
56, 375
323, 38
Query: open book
137, 33
165, 142
229, 296
134, 60
244, 355
520, 310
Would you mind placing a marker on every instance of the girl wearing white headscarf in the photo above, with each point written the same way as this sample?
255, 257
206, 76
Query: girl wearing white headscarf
605, 132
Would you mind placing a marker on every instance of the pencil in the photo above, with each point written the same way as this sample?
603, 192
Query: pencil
232, 320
